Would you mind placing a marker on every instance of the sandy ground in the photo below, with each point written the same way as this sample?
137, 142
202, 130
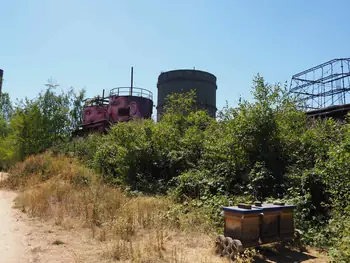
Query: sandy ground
24, 239
12, 242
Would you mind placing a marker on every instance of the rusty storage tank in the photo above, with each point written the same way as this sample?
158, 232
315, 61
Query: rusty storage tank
184, 80
126, 103
123, 104
95, 113
94, 116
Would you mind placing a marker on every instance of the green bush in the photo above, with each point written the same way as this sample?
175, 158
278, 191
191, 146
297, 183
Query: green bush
264, 149
197, 184
340, 250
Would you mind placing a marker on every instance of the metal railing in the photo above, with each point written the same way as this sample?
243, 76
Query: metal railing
128, 91
96, 101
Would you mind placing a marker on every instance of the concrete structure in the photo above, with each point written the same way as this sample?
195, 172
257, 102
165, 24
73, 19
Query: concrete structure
184, 80
338, 112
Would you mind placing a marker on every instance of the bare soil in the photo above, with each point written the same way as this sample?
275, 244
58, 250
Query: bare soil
12, 240
286, 255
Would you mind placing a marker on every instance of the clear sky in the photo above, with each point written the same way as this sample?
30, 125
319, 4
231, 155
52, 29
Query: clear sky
93, 44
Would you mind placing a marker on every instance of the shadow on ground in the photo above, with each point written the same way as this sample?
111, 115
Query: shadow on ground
283, 255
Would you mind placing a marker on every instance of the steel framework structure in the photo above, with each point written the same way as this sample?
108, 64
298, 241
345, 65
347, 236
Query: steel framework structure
324, 85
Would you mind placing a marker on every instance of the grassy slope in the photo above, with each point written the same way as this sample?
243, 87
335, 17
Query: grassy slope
134, 228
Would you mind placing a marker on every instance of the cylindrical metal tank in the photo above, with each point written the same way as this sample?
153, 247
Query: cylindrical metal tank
126, 103
94, 114
184, 80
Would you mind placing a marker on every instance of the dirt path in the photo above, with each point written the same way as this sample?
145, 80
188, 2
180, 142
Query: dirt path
12, 240
29, 240
12, 244
23, 239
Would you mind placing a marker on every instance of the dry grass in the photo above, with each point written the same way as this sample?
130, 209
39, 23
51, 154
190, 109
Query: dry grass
133, 229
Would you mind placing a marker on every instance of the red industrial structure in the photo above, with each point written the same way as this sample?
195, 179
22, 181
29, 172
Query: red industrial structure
123, 104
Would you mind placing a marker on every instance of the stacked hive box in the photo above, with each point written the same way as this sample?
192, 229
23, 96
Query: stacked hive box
287, 222
243, 224
269, 222
264, 223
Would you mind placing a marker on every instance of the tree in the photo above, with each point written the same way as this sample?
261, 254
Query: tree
77, 105
48, 119
6, 108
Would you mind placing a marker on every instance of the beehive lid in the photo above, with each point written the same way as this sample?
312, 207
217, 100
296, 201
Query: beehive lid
274, 207
289, 206
237, 209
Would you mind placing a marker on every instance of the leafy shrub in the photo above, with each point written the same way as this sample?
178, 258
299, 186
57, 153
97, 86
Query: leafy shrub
197, 184
264, 149
262, 181
340, 228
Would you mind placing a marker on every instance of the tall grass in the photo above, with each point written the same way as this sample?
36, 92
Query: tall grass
134, 228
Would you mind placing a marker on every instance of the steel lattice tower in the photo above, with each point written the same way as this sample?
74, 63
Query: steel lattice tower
323, 86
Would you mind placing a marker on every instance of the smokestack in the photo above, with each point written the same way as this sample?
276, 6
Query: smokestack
1, 75
132, 79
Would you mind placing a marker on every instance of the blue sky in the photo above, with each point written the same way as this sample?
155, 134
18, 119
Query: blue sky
93, 44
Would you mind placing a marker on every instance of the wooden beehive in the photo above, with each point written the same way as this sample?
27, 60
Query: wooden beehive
270, 222
287, 222
243, 224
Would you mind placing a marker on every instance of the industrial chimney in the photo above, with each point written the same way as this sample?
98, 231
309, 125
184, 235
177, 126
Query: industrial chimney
1, 75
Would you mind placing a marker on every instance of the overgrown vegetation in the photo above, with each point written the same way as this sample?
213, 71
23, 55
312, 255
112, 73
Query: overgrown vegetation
133, 227
33, 126
260, 150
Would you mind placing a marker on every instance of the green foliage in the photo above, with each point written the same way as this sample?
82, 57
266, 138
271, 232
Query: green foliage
197, 184
340, 229
6, 144
34, 126
261, 181
336, 175
83, 148
266, 149
180, 104
6, 107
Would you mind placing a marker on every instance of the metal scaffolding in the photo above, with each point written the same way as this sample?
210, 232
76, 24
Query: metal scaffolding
323, 86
